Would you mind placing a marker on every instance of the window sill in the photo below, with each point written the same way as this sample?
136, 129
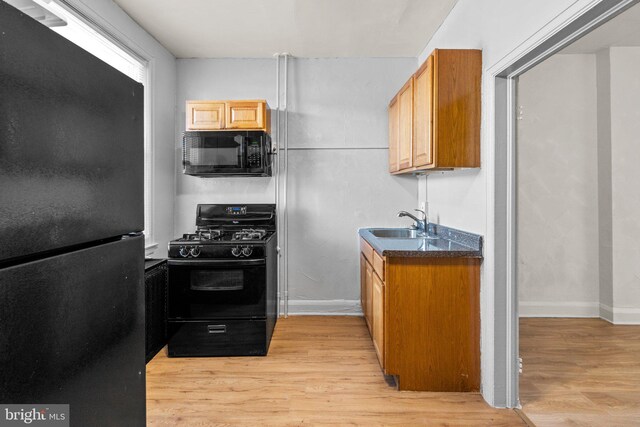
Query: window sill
149, 249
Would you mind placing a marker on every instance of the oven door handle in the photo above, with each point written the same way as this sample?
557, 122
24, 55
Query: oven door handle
216, 262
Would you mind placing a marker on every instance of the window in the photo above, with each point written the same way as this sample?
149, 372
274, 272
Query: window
61, 18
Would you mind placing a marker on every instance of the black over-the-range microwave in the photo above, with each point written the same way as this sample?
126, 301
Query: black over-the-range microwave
226, 153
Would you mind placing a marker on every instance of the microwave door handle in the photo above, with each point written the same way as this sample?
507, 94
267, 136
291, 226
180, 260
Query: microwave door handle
241, 154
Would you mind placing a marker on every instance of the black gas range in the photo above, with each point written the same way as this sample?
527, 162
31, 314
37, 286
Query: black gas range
223, 282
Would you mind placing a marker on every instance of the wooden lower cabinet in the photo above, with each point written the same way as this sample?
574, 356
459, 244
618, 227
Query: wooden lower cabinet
372, 301
377, 310
424, 319
363, 285
368, 303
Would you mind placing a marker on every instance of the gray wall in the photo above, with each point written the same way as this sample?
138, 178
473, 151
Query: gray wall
557, 193
625, 176
578, 201
338, 174
605, 204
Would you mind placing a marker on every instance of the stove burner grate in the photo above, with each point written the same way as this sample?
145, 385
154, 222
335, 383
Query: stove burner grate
213, 234
249, 234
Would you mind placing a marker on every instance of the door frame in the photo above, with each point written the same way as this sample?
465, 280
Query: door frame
573, 23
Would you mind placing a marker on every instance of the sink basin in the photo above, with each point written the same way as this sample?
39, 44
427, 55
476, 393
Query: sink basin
399, 233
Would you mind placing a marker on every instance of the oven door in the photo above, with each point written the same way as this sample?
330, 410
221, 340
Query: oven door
217, 289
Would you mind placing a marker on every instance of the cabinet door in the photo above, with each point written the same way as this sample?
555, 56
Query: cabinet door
363, 286
205, 115
405, 126
378, 317
423, 115
368, 314
394, 122
245, 115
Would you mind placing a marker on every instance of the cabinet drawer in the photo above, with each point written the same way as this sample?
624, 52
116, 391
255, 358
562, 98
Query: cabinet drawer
366, 250
218, 338
378, 265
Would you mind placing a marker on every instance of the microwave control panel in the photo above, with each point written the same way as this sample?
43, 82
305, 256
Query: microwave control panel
254, 157
236, 210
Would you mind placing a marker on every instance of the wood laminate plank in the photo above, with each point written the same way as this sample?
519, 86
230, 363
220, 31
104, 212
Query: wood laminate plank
582, 372
321, 370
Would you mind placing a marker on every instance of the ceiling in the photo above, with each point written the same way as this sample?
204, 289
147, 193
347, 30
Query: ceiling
303, 28
623, 30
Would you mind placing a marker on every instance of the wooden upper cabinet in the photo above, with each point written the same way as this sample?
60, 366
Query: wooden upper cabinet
394, 120
228, 115
405, 126
457, 98
423, 115
445, 113
205, 115
246, 114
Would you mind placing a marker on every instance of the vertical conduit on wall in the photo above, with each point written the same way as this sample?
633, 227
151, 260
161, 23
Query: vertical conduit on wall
281, 129
286, 181
275, 148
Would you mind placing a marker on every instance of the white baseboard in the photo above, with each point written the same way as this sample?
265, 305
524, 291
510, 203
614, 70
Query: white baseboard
334, 307
606, 313
617, 315
620, 315
558, 309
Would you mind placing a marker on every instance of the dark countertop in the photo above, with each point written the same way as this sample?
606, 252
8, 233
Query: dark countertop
149, 263
449, 243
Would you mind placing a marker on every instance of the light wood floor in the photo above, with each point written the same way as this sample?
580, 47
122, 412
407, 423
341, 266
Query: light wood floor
319, 371
580, 372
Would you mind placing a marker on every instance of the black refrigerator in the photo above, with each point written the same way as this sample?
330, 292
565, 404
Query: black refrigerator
71, 216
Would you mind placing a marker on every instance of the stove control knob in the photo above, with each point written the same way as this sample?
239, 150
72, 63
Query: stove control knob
195, 251
246, 251
235, 251
184, 252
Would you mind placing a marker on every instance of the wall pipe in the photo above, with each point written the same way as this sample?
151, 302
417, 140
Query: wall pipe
282, 167
276, 149
286, 182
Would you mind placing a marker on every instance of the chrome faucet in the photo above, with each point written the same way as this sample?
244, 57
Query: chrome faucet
421, 224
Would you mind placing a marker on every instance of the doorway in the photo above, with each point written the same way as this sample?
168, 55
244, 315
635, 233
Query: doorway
578, 117
505, 77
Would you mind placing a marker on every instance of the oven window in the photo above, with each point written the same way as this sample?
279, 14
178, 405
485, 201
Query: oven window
218, 152
217, 281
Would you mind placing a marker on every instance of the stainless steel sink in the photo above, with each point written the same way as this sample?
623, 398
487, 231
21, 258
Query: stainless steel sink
396, 233
400, 233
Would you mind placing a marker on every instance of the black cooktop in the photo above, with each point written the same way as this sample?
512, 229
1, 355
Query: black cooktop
225, 236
